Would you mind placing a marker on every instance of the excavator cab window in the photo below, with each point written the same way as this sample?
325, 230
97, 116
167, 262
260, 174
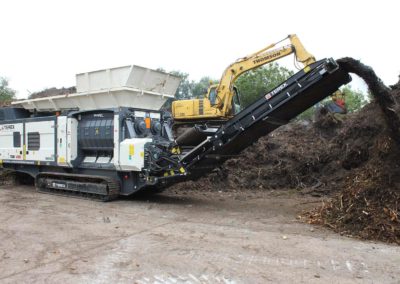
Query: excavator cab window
213, 96
236, 105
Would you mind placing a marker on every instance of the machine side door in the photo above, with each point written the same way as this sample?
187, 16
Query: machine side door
72, 140
40, 141
11, 144
62, 149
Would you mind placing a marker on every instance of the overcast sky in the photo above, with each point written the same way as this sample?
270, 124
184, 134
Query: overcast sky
45, 43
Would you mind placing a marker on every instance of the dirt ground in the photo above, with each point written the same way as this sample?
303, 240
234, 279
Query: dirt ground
197, 237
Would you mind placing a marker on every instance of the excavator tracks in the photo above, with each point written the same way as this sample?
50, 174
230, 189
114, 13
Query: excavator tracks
76, 185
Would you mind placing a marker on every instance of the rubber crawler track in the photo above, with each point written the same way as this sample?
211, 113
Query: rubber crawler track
113, 187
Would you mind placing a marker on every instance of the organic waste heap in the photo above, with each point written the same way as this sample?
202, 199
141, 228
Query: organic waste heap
355, 160
368, 205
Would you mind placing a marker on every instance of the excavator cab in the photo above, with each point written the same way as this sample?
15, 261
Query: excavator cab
236, 104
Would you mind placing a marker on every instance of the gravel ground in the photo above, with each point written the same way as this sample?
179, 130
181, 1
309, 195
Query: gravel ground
180, 237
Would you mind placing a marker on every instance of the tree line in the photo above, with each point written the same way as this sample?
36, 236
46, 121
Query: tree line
258, 82
7, 94
251, 85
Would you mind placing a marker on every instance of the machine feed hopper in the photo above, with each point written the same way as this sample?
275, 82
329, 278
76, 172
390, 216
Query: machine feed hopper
127, 86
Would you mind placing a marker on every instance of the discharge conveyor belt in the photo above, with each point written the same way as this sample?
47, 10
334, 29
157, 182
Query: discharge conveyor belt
301, 91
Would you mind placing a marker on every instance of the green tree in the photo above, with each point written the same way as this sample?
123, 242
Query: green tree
308, 114
200, 88
189, 89
184, 89
251, 85
6, 93
256, 83
355, 100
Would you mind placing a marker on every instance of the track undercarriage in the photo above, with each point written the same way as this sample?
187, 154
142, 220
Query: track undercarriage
83, 186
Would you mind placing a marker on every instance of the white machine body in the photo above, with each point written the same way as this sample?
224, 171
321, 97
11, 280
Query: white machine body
131, 154
100, 131
128, 86
37, 142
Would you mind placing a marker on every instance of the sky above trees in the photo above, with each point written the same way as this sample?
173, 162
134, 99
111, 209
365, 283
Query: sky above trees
44, 42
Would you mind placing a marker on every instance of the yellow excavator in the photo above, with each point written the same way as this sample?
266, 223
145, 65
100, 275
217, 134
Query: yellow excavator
222, 100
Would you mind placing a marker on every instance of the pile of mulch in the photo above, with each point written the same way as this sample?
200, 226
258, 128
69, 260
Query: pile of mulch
49, 92
368, 203
354, 160
311, 157
368, 206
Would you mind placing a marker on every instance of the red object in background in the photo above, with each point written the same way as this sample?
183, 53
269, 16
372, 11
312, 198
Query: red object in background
340, 102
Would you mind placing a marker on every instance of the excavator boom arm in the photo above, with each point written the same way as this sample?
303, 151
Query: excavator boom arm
257, 59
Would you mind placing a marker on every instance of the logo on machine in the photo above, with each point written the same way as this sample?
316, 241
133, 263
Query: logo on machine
277, 90
267, 57
7, 127
98, 115
58, 185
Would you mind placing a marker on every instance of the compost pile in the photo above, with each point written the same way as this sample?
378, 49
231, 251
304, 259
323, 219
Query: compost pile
367, 201
353, 159
315, 158
49, 92
368, 205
